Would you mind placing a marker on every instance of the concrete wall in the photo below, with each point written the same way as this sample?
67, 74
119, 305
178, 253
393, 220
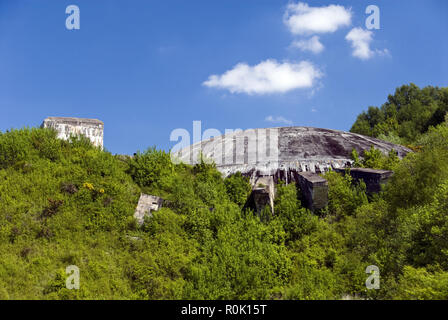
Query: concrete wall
91, 128
374, 179
314, 190
146, 204
262, 195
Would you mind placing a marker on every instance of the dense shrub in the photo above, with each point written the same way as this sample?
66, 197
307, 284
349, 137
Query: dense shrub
152, 168
68, 203
406, 115
238, 188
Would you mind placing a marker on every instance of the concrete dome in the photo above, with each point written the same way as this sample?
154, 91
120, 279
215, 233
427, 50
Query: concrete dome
266, 151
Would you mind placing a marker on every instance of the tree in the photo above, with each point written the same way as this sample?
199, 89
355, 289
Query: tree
238, 188
406, 115
152, 169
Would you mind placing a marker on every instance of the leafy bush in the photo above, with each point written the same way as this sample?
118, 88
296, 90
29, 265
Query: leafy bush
152, 168
406, 115
238, 188
344, 196
67, 202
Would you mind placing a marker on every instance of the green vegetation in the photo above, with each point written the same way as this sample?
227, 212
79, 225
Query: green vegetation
406, 115
67, 203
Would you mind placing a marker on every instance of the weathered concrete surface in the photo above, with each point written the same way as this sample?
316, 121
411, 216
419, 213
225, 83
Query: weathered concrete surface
262, 195
374, 179
263, 152
146, 204
66, 127
314, 190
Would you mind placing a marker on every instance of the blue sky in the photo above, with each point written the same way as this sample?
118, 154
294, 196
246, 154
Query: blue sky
144, 67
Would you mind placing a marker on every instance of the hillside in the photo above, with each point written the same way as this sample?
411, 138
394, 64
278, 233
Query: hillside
68, 203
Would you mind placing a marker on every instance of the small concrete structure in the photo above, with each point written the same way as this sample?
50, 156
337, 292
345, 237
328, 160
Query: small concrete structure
66, 127
314, 190
262, 195
373, 178
146, 204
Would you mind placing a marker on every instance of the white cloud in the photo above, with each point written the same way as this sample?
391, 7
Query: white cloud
303, 19
313, 44
266, 77
360, 40
278, 120
384, 52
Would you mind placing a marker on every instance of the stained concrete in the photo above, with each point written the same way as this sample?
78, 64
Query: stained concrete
262, 195
314, 190
374, 179
293, 155
263, 152
147, 204
68, 126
